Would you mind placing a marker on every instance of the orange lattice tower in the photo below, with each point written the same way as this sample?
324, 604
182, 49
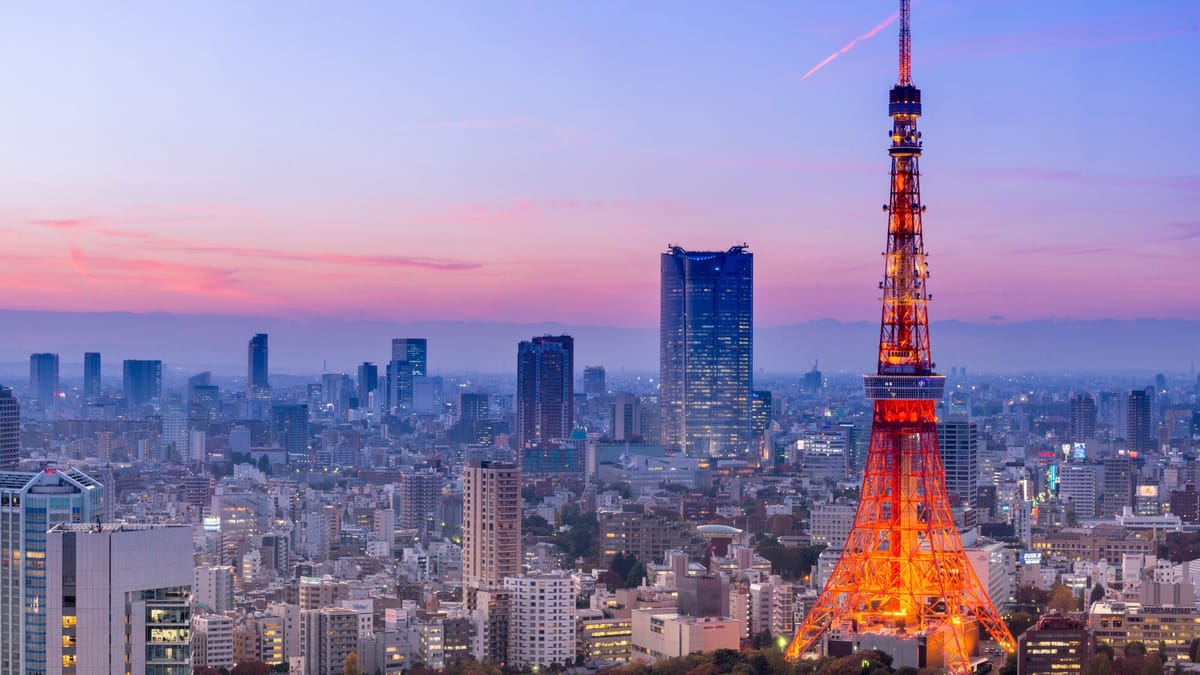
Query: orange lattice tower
903, 572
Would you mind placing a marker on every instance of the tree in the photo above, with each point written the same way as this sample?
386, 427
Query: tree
1020, 622
251, 668
1098, 665
1061, 599
350, 665
1135, 649
1194, 651
1010, 665
1097, 594
621, 564
637, 574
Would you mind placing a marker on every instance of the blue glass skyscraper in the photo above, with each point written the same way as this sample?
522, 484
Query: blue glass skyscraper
706, 351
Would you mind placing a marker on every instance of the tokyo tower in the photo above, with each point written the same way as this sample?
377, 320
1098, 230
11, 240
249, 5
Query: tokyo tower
903, 574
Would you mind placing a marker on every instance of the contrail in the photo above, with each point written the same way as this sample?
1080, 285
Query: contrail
850, 44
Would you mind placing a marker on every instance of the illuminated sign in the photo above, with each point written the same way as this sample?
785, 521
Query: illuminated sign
1031, 557
1149, 491
212, 524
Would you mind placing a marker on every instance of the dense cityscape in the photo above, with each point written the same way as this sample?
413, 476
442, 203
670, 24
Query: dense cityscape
566, 517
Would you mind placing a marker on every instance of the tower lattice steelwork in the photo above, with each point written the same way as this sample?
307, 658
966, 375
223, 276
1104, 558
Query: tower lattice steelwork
903, 571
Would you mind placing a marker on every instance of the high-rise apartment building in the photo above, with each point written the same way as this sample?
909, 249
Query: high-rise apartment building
594, 380
545, 390
10, 430
212, 641
212, 588
91, 375
258, 384
327, 636
117, 598
958, 443
43, 378
289, 428
1082, 427
142, 381
706, 351
541, 622
417, 499
31, 504
472, 410
491, 524
1140, 434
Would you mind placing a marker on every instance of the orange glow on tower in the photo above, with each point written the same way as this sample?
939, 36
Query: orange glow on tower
903, 571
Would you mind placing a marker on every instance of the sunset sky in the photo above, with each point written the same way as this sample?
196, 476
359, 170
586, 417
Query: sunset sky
530, 160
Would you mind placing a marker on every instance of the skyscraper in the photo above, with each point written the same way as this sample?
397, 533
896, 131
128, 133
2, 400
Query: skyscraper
43, 378
1140, 435
958, 443
30, 504
413, 350
142, 381
545, 389
289, 428
258, 383
10, 430
706, 350
491, 524
1083, 419
91, 375
368, 382
594, 380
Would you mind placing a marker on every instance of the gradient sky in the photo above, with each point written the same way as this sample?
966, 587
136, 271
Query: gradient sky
529, 161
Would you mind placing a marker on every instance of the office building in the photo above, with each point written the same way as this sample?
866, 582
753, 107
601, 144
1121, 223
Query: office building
594, 380
1057, 644
10, 430
43, 378
399, 385
415, 351
327, 636
1082, 426
706, 351
91, 375
289, 428
664, 634
258, 384
31, 504
367, 384
117, 598
1117, 490
601, 637
545, 390
541, 622
491, 524
958, 444
830, 524
142, 381
626, 418
1170, 628
1077, 489
472, 411
1141, 436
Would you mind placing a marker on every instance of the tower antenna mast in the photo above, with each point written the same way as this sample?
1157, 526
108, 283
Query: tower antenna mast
905, 46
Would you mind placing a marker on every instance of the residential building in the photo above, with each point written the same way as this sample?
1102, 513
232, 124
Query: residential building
491, 525
541, 622
212, 641
212, 588
327, 636
958, 444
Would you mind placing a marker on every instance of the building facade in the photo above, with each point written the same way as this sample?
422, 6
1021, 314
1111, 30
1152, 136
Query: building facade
491, 524
706, 332
91, 375
43, 378
541, 622
545, 390
258, 383
31, 504
958, 443
10, 430
141, 381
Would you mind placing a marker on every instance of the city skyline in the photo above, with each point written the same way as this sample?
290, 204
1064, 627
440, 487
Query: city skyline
456, 202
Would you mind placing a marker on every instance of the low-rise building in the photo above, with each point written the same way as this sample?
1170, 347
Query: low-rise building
1057, 644
664, 634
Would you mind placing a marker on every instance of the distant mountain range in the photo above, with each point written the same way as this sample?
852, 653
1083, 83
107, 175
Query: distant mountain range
194, 342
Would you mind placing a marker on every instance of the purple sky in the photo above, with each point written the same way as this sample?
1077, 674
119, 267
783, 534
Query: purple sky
529, 161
